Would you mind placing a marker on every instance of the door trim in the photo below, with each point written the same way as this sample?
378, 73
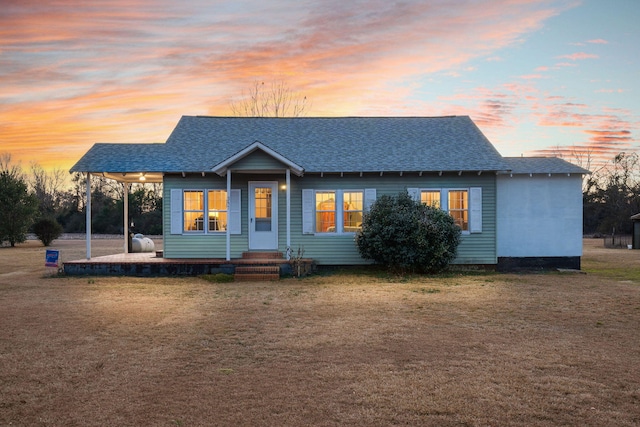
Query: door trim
264, 242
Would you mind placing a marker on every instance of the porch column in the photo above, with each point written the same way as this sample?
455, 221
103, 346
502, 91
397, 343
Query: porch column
87, 208
288, 184
125, 203
228, 214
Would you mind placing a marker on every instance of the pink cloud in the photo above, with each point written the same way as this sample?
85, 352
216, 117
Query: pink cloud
531, 76
579, 56
575, 105
598, 41
601, 136
489, 108
610, 91
565, 64
74, 73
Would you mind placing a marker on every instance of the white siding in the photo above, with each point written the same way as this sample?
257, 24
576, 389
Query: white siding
539, 216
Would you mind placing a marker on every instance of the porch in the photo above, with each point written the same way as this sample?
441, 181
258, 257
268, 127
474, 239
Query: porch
252, 266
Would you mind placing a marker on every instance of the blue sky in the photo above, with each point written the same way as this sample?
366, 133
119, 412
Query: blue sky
539, 77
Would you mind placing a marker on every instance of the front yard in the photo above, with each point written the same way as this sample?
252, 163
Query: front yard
331, 350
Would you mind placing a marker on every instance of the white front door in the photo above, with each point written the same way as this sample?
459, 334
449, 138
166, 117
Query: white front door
263, 215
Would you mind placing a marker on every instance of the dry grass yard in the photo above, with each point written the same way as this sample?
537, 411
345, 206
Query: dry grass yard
332, 350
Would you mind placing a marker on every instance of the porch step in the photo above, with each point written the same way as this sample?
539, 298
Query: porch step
257, 273
262, 255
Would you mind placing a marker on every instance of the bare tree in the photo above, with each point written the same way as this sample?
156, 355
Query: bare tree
48, 188
584, 158
13, 170
275, 100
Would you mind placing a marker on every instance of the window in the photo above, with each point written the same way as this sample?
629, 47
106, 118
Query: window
464, 205
325, 212
459, 208
217, 206
353, 203
263, 205
193, 210
189, 207
334, 212
430, 198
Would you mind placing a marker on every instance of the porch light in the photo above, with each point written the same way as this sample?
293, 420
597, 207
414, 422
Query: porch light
283, 187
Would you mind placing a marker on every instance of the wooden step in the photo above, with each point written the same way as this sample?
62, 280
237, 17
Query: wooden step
257, 272
262, 255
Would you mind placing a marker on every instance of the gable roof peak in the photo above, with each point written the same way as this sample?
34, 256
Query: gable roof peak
222, 167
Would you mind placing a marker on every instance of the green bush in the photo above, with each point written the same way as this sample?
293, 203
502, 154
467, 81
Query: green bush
407, 236
47, 230
18, 206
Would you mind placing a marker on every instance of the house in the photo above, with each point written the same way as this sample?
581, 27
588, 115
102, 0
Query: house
233, 185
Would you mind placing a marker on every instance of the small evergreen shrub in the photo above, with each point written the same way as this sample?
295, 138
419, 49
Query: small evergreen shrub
47, 230
405, 235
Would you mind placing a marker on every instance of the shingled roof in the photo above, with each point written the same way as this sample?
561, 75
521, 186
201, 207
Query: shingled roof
342, 144
542, 165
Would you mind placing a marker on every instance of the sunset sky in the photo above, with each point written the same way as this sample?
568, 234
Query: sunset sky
538, 77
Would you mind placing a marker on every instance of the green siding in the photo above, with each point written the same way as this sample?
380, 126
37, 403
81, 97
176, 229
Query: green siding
326, 249
477, 248
193, 245
258, 160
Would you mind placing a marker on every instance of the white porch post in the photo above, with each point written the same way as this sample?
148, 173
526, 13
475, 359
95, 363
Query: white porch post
87, 207
288, 184
125, 203
228, 214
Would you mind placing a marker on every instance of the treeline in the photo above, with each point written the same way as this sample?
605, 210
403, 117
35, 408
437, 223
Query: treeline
107, 210
611, 195
29, 197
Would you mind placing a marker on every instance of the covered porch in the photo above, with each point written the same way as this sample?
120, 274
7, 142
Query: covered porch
252, 266
250, 160
256, 263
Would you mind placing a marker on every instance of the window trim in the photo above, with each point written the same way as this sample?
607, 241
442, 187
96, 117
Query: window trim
178, 210
474, 204
202, 211
468, 208
226, 211
348, 211
309, 209
335, 211
339, 211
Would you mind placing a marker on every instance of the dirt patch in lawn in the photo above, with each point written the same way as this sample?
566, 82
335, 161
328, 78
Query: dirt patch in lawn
332, 350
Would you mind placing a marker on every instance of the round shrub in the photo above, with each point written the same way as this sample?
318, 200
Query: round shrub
407, 236
47, 230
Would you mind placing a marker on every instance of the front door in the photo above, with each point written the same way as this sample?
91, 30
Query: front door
263, 215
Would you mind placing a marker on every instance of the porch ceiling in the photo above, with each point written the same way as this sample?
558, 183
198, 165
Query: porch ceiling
134, 177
